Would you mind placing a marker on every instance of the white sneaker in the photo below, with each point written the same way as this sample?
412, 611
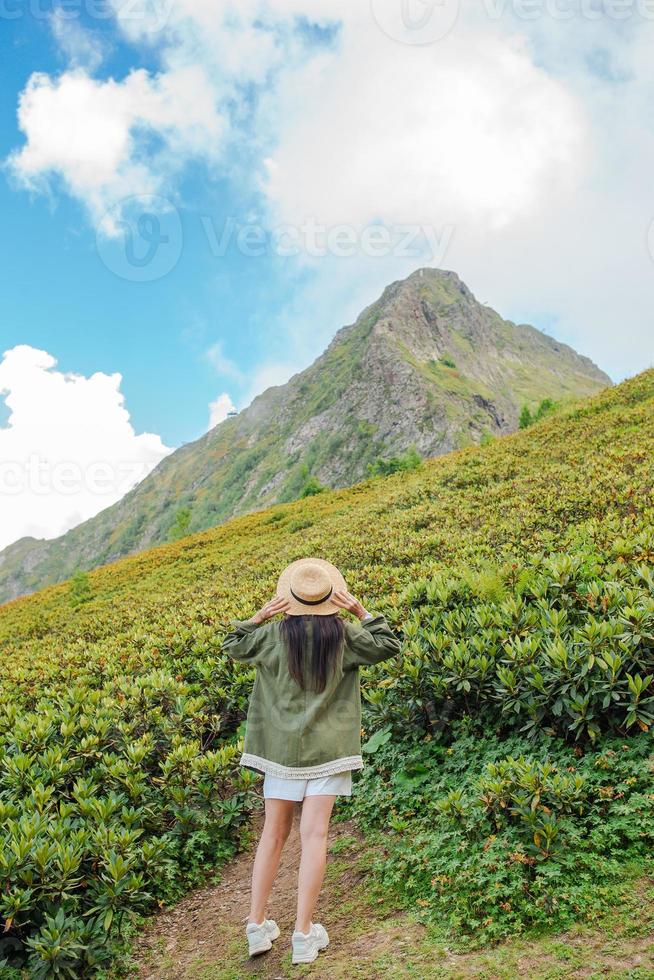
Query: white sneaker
260, 937
306, 946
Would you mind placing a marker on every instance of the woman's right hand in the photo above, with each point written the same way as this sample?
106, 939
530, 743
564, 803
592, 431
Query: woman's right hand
345, 600
277, 605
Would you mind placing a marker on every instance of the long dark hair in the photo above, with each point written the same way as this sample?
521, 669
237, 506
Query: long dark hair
327, 634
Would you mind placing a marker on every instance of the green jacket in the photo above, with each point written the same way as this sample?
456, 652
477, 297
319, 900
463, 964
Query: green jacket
298, 734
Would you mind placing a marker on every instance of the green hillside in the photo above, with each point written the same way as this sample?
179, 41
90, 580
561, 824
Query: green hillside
425, 366
509, 749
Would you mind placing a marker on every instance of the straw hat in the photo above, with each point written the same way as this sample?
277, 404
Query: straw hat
308, 584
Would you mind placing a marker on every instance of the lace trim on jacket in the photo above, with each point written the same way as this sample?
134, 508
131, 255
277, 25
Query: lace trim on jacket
345, 764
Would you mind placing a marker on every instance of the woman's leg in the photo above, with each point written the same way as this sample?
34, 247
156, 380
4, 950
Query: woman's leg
314, 823
277, 826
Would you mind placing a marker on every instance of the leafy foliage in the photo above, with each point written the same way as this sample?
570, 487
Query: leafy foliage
80, 589
545, 408
490, 843
410, 460
181, 524
112, 796
526, 418
565, 646
312, 487
120, 725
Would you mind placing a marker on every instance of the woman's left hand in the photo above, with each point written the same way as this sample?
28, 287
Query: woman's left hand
345, 600
277, 605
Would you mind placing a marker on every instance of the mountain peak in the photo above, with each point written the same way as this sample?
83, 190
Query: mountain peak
424, 366
444, 284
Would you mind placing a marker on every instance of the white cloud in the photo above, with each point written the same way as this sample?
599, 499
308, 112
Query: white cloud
96, 136
467, 130
531, 138
81, 47
528, 133
68, 449
220, 409
251, 383
222, 364
108, 140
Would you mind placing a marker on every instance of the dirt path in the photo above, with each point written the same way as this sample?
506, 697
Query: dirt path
202, 938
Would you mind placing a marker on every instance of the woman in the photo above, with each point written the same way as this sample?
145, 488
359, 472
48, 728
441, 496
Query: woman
304, 728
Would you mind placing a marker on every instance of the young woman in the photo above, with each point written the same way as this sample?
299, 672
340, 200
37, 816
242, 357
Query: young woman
304, 728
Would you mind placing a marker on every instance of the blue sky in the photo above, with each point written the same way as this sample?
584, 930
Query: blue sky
514, 148
58, 295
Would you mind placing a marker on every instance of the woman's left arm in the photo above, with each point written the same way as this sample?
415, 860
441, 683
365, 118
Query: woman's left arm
370, 645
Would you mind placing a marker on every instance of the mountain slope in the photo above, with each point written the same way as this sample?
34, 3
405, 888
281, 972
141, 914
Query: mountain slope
425, 366
526, 564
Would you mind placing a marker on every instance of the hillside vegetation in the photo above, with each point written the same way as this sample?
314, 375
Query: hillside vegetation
426, 366
509, 749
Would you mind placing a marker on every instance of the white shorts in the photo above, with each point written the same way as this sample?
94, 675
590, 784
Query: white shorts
296, 789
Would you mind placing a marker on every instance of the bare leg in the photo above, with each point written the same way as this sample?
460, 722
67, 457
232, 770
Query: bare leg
314, 823
279, 820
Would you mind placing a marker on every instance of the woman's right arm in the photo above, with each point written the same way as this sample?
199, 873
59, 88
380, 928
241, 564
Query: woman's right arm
245, 640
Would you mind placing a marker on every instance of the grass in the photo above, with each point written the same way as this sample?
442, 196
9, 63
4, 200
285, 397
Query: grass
129, 692
375, 939
242, 464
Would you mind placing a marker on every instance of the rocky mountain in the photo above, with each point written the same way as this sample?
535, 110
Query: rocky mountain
426, 366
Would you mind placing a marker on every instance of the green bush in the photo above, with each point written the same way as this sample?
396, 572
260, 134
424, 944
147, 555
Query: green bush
564, 646
80, 589
180, 526
489, 845
110, 798
410, 460
526, 418
301, 524
545, 408
534, 824
312, 487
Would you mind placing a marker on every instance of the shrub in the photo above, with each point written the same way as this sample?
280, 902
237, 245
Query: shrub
411, 460
180, 525
545, 408
80, 590
525, 417
301, 524
110, 798
488, 845
563, 646
312, 487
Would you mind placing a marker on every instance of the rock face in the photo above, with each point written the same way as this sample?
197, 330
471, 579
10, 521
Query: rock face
425, 366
